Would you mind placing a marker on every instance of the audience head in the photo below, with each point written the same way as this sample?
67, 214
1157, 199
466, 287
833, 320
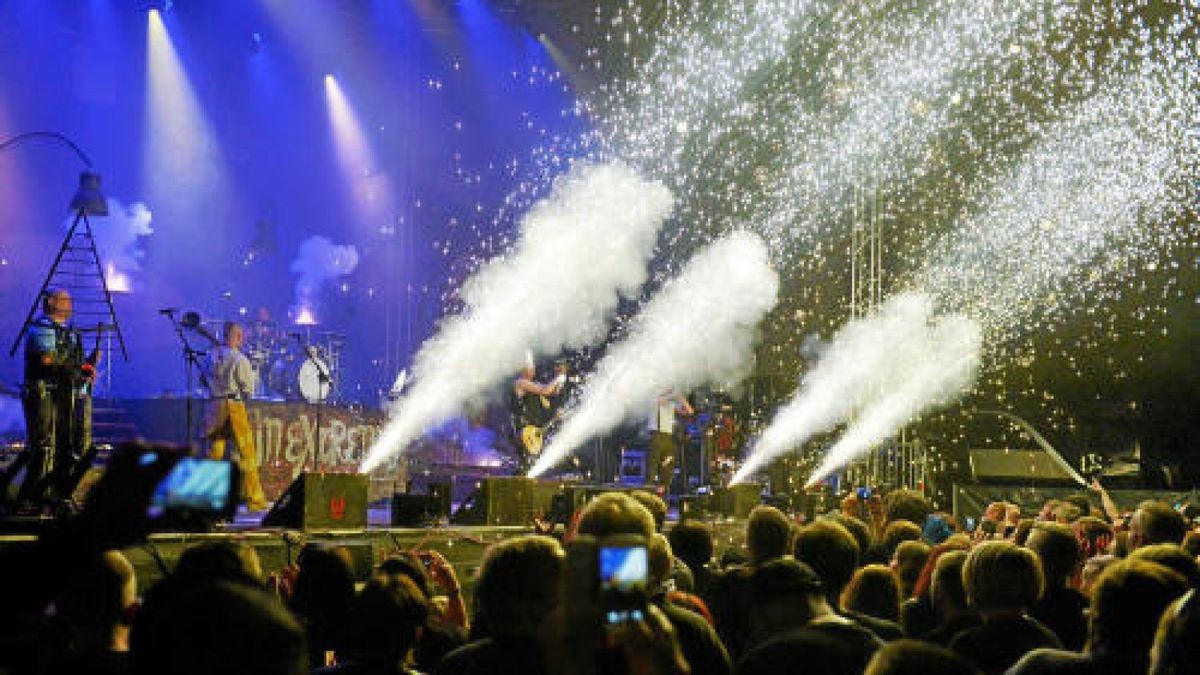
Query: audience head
615, 513
655, 505
1094, 535
859, 530
325, 584
906, 505
98, 600
908, 562
1176, 648
518, 585
1020, 534
408, 565
1172, 557
913, 657
785, 594
1049, 509
658, 552
387, 616
219, 561
1092, 569
1155, 522
1058, 549
768, 534
1068, 512
692, 541
831, 552
956, 543
1000, 576
946, 590
1127, 602
217, 627
874, 591
1191, 543
937, 529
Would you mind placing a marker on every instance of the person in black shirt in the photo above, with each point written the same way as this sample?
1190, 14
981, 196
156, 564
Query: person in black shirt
831, 551
1061, 607
793, 623
1129, 598
518, 589
1002, 581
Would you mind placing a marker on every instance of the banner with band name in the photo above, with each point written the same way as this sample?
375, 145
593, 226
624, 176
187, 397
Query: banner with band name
285, 436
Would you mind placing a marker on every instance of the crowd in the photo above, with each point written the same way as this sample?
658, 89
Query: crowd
885, 586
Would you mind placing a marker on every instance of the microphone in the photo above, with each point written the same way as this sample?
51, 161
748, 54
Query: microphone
168, 311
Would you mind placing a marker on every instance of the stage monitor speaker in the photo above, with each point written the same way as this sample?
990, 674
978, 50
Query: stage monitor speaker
322, 501
738, 500
416, 510
507, 500
1016, 466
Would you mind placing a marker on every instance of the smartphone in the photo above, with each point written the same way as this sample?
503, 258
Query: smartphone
970, 524
198, 486
624, 572
864, 493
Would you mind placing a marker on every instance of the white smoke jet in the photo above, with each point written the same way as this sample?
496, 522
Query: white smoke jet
319, 261
936, 363
890, 360
582, 248
698, 329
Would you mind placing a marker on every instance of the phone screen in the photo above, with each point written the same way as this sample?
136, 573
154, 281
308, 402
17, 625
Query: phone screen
624, 575
195, 484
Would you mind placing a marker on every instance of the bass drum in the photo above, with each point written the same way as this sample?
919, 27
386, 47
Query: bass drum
300, 380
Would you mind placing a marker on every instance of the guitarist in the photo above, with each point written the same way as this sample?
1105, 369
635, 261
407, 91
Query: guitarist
532, 408
57, 401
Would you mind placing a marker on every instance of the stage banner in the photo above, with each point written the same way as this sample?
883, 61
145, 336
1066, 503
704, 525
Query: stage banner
285, 437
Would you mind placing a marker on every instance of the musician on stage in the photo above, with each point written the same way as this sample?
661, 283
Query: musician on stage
57, 401
231, 379
662, 438
532, 407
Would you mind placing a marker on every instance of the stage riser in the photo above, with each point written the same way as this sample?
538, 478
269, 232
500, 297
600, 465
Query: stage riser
462, 546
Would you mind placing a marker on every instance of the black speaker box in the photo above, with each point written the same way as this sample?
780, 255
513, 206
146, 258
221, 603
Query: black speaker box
322, 501
738, 500
506, 500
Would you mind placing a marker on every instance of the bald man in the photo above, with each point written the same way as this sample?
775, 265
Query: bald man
57, 403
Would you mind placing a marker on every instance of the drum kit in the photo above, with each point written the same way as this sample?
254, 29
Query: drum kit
295, 366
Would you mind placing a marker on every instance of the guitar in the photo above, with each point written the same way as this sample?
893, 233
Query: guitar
533, 435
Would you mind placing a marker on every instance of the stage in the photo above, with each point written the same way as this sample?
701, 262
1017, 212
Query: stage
278, 548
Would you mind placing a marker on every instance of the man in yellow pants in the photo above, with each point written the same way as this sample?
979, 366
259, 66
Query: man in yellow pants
231, 379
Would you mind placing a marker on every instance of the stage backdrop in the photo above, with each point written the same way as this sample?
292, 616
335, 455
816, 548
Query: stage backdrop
285, 436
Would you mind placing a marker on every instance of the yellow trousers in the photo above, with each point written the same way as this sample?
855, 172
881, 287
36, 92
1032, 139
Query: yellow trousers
228, 420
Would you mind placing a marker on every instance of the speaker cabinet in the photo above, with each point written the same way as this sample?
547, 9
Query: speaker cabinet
506, 500
738, 500
322, 501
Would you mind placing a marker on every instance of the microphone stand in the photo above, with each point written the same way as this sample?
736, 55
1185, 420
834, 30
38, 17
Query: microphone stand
191, 364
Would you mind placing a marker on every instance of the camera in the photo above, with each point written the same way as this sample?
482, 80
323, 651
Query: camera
194, 488
608, 582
